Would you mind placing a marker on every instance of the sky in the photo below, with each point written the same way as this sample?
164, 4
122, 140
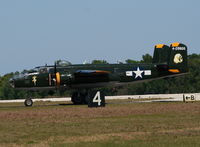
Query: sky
38, 32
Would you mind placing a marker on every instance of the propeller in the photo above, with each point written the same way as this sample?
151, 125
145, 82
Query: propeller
56, 76
55, 68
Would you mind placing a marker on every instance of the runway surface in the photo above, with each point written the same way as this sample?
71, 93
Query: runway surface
139, 98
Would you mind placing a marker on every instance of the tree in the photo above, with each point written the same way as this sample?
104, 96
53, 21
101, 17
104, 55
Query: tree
130, 61
5, 90
146, 58
185, 84
99, 62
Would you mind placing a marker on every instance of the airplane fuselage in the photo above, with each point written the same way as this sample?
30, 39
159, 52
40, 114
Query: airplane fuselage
92, 75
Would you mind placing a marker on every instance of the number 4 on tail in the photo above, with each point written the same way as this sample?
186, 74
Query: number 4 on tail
96, 99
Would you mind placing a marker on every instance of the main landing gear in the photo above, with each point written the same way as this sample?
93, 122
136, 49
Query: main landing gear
80, 97
77, 98
93, 99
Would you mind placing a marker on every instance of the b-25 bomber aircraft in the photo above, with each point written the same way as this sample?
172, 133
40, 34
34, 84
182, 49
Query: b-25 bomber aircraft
167, 62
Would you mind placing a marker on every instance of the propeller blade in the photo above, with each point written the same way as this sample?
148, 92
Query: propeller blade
56, 76
55, 68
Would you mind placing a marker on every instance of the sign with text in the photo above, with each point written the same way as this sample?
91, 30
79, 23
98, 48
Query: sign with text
189, 97
96, 99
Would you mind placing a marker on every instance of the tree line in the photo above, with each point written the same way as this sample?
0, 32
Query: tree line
189, 83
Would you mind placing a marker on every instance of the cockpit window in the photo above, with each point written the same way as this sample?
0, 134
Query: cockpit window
63, 63
37, 70
43, 70
32, 71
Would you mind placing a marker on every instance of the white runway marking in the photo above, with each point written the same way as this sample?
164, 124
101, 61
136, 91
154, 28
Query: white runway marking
143, 98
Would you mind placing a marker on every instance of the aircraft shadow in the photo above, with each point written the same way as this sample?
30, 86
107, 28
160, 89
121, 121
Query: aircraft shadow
50, 105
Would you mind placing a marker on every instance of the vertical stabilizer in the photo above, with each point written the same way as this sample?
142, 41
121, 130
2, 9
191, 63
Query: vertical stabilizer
178, 57
161, 54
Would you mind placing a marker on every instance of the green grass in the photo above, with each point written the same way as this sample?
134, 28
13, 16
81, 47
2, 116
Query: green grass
133, 124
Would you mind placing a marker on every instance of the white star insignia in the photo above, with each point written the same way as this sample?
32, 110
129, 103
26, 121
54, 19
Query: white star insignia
138, 73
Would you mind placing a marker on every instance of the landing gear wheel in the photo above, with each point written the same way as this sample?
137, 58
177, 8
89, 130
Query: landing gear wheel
86, 98
79, 98
28, 102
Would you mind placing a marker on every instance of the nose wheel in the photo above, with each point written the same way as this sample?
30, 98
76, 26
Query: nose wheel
28, 102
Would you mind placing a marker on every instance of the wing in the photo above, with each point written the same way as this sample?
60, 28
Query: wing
91, 76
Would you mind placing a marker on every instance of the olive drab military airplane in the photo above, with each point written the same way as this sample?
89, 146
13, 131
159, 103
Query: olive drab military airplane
167, 62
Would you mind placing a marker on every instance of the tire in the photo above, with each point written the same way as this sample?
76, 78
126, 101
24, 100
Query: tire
28, 102
77, 98
86, 98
